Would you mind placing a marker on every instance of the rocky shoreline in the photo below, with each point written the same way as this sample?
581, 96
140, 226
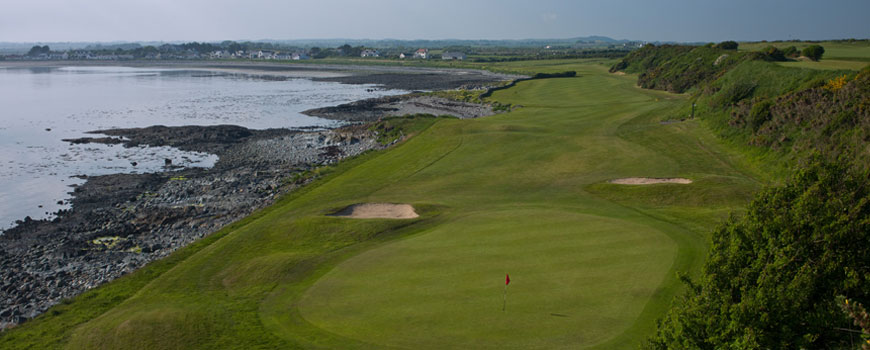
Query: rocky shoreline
121, 222
372, 109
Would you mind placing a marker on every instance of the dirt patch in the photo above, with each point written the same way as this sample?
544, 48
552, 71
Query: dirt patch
378, 211
650, 181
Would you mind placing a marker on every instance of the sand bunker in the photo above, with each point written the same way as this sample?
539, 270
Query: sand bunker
650, 181
378, 211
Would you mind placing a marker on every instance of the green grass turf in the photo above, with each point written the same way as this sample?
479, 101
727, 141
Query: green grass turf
827, 64
593, 263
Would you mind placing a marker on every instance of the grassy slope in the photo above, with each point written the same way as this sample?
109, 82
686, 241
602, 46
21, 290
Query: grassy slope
528, 183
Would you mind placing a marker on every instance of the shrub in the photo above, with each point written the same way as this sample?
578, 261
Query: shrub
790, 51
759, 114
813, 52
773, 275
727, 45
774, 54
836, 84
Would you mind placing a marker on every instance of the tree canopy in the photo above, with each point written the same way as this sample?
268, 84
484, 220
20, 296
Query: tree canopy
727, 45
38, 50
774, 275
813, 52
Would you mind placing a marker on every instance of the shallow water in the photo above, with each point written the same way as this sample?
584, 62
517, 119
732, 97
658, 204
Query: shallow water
42, 105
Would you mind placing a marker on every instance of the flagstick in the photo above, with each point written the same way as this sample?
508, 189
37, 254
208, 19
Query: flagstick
504, 304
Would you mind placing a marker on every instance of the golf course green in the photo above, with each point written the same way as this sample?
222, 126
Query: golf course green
592, 264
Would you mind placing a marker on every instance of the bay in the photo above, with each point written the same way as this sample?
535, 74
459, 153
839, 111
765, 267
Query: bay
40, 106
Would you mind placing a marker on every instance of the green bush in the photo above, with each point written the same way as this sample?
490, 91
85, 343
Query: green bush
790, 51
727, 45
774, 54
759, 114
679, 68
813, 52
773, 275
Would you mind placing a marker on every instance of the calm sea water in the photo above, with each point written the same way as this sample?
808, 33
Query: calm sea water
41, 106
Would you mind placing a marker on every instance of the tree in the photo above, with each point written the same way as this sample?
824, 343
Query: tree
774, 274
38, 50
232, 46
344, 50
813, 52
727, 45
790, 51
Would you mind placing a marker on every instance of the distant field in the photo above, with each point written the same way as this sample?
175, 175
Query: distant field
592, 264
827, 64
520, 67
838, 55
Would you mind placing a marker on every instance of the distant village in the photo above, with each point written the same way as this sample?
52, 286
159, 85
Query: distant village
207, 51
267, 51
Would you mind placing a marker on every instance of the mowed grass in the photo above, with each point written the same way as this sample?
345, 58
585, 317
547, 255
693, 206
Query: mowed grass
576, 280
593, 264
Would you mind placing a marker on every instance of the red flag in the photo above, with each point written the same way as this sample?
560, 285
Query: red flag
507, 279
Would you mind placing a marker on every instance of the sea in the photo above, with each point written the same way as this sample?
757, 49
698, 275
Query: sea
41, 106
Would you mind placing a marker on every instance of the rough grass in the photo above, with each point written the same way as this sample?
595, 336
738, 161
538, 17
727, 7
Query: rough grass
519, 192
858, 50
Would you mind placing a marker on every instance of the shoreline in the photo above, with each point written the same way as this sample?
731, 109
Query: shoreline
120, 222
390, 77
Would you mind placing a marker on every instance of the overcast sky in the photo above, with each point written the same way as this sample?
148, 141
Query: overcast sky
215, 20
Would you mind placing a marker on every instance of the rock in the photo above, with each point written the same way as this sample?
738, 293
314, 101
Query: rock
45, 261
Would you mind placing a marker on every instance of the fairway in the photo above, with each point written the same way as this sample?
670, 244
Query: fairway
586, 271
592, 263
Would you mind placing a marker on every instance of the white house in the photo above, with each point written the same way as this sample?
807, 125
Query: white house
220, 54
296, 56
453, 56
422, 53
369, 53
266, 54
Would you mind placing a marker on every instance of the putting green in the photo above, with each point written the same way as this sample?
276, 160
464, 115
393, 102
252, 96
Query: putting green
576, 280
